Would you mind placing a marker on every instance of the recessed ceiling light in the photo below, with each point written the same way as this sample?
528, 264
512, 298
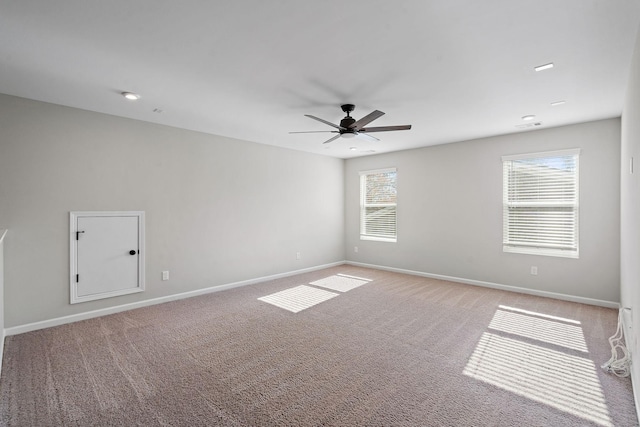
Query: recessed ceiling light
352, 148
131, 96
529, 117
544, 67
555, 104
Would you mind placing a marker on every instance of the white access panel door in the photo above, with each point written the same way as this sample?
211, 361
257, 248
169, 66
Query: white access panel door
107, 254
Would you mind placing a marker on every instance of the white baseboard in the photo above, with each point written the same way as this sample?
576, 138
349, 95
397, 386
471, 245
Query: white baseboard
564, 297
15, 330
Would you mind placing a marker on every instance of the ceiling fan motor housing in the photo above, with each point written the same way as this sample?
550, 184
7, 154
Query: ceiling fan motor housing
347, 122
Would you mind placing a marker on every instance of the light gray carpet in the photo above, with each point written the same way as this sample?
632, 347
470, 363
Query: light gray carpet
397, 350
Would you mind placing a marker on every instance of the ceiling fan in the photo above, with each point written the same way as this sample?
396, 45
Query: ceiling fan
350, 127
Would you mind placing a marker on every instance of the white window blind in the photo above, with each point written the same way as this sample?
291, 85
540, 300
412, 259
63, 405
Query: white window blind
378, 205
540, 202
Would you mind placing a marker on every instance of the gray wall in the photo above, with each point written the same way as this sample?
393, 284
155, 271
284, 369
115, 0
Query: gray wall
218, 210
450, 212
630, 207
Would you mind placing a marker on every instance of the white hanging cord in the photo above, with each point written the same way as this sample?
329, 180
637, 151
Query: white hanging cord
619, 366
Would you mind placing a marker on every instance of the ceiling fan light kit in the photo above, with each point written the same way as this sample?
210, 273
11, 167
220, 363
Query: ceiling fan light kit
350, 127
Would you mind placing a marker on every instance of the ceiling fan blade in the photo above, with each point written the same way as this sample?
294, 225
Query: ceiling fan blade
332, 139
366, 119
370, 137
317, 131
385, 128
323, 121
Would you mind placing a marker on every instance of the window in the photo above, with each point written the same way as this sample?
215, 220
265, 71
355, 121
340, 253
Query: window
540, 202
378, 205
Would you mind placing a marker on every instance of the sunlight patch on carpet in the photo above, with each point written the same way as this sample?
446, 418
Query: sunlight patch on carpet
298, 298
340, 282
355, 277
537, 314
538, 360
556, 333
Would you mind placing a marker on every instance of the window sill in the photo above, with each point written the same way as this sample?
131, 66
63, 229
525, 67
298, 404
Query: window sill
559, 253
379, 239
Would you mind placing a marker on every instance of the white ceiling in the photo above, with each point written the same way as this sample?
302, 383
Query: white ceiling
251, 69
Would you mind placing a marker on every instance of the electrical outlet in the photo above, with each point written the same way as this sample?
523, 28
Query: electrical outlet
165, 275
298, 255
534, 271
355, 249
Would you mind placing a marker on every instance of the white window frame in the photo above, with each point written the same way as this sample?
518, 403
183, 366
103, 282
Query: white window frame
367, 234
525, 242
